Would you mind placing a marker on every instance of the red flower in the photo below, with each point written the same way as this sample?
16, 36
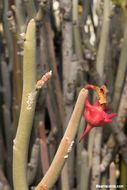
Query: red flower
96, 116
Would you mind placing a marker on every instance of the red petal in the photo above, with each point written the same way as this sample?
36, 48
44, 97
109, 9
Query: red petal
87, 104
88, 127
96, 102
90, 86
112, 115
107, 120
107, 109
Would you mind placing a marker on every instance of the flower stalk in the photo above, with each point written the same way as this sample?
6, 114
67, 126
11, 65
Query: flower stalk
65, 146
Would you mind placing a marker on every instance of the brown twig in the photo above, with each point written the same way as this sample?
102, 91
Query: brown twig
51, 112
43, 148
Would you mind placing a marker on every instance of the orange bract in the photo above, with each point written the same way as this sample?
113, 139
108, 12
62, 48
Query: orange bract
101, 91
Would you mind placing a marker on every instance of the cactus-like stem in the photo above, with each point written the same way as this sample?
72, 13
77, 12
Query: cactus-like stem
30, 8
7, 33
3, 181
21, 142
6, 84
112, 174
121, 138
33, 164
79, 149
85, 171
77, 40
20, 15
100, 68
43, 147
30, 89
65, 145
123, 173
121, 72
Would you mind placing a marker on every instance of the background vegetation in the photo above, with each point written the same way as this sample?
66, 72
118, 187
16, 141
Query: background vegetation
81, 42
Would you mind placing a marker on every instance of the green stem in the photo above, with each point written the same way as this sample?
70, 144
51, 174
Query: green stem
21, 142
7, 33
103, 39
85, 171
112, 176
123, 172
76, 32
30, 8
33, 164
96, 138
121, 71
20, 15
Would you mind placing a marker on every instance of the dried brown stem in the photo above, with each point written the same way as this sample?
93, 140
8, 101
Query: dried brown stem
51, 112
43, 148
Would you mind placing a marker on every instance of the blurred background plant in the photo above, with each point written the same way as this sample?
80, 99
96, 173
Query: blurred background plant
81, 42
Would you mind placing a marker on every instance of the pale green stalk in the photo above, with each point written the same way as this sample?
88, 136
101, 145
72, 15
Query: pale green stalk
79, 149
75, 69
104, 180
21, 141
104, 38
97, 137
8, 35
33, 164
112, 176
76, 31
20, 15
123, 174
85, 171
121, 71
30, 8
100, 67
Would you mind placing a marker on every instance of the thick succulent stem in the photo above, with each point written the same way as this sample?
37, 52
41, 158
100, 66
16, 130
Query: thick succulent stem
34, 160
21, 142
121, 72
30, 89
112, 176
100, 68
65, 145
